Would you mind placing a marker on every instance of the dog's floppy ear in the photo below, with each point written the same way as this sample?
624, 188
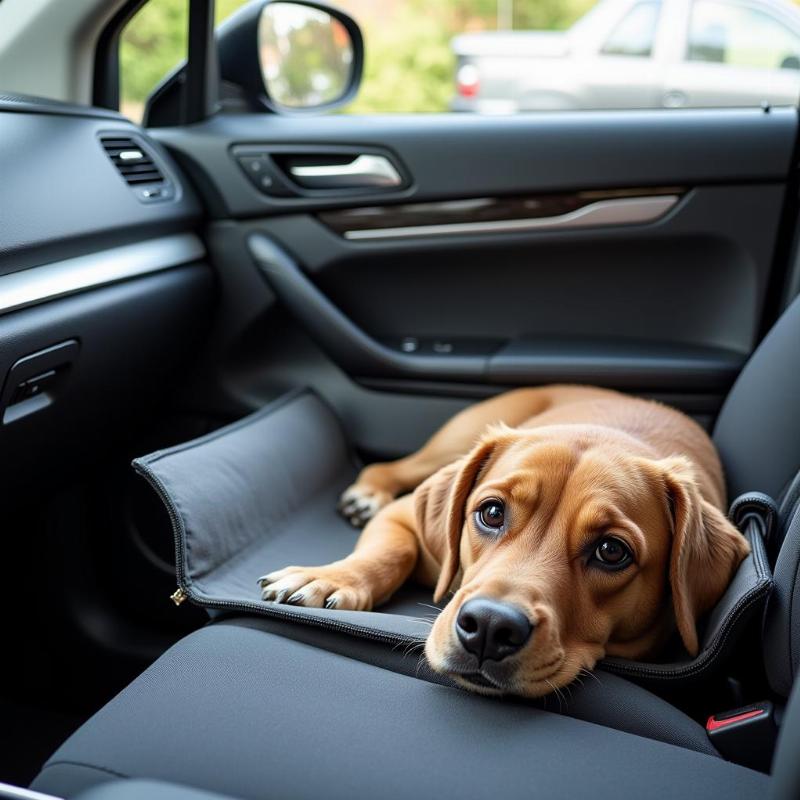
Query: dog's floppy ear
706, 550
439, 508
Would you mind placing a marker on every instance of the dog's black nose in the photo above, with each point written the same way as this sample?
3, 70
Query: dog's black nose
490, 629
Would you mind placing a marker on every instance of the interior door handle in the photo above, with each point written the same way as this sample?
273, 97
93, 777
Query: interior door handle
363, 171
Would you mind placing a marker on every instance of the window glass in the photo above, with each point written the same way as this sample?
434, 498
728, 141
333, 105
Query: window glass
636, 33
411, 62
524, 56
741, 36
152, 44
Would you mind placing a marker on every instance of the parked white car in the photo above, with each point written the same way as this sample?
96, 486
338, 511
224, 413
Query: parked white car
638, 54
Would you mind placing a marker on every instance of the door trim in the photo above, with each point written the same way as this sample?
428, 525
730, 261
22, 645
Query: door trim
60, 278
603, 213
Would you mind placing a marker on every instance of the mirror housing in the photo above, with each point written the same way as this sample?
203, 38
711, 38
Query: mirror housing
240, 41
241, 78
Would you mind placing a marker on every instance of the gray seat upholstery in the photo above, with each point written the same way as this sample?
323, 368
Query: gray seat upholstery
258, 708
757, 431
782, 624
237, 710
152, 790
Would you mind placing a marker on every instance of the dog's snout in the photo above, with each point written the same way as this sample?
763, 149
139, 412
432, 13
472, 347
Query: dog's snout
492, 630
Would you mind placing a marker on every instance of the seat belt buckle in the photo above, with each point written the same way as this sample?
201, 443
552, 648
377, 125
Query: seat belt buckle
745, 735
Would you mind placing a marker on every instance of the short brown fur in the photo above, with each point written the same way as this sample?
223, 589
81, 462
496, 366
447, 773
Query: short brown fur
570, 464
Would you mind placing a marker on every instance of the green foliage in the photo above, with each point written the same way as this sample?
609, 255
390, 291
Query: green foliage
153, 42
224, 8
409, 64
527, 14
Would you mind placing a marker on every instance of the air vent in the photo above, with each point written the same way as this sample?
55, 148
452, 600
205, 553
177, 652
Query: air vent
137, 168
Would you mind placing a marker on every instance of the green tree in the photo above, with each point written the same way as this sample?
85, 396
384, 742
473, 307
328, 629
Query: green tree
409, 64
152, 44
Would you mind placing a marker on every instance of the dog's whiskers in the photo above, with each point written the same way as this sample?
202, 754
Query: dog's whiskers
420, 661
412, 647
556, 692
590, 674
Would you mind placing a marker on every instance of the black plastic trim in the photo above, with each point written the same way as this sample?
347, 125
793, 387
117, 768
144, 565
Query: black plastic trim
105, 92
631, 365
28, 104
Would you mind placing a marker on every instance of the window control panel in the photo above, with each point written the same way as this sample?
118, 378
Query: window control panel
445, 346
33, 386
262, 172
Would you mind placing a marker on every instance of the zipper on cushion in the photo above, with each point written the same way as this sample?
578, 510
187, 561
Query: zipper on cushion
178, 596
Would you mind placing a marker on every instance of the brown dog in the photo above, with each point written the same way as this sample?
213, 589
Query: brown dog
576, 522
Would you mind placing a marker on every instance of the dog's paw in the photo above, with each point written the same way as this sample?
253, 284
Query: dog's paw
361, 502
330, 586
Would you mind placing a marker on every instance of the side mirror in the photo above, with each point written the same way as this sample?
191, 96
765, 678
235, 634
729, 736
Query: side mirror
275, 55
292, 56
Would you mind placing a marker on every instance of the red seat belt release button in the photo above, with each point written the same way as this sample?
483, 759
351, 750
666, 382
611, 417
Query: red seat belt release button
745, 735
714, 723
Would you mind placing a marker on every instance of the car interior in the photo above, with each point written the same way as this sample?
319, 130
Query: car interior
318, 291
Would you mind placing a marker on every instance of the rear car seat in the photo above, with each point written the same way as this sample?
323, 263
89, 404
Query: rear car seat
258, 708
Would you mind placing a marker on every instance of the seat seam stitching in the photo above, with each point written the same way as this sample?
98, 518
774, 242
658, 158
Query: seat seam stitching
72, 763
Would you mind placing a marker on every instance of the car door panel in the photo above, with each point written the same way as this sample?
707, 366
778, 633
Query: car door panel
458, 156
429, 304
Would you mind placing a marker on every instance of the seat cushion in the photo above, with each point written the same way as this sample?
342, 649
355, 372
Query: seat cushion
241, 711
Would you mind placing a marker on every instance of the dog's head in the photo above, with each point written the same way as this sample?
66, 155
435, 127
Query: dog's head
572, 545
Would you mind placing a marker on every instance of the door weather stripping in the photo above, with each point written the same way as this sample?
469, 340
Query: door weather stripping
603, 213
61, 278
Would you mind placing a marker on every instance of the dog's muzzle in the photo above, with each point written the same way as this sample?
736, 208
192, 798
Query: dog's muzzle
491, 630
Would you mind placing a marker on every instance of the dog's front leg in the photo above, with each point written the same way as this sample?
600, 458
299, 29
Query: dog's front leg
384, 557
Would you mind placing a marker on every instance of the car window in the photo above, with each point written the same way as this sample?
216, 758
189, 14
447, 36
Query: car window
740, 35
152, 44
636, 32
411, 59
520, 56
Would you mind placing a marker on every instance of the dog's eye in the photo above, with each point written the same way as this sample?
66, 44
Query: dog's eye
491, 516
613, 552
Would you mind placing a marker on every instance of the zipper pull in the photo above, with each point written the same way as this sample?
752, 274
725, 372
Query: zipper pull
178, 596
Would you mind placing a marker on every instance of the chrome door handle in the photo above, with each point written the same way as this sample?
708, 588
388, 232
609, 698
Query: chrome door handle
364, 171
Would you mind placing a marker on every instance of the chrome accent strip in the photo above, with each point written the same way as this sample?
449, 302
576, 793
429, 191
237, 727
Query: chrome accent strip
365, 170
9, 792
60, 278
618, 211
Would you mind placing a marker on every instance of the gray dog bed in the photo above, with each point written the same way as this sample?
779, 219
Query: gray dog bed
261, 494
